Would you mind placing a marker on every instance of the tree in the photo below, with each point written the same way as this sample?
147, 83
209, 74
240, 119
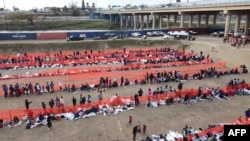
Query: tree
20, 16
83, 5
87, 5
74, 10
55, 10
65, 9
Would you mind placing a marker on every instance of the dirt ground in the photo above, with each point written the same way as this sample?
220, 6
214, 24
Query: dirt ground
158, 121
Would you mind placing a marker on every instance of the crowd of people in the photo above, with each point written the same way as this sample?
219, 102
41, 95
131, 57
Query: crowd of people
106, 82
204, 94
151, 56
137, 129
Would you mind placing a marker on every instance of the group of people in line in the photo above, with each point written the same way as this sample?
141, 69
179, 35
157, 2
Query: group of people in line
27, 89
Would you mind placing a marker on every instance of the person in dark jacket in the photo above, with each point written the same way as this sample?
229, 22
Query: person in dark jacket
51, 103
27, 103
74, 101
49, 123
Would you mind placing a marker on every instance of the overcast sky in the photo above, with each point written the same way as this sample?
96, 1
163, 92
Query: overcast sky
29, 4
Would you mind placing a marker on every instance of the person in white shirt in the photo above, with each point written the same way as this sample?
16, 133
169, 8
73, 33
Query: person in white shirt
60, 84
61, 101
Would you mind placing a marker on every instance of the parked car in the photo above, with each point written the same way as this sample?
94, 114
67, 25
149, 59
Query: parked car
76, 38
103, 37
231, 32
150, 34
162, 33
157, 33
192, 33
136, 34
166, 36
118, 37
218, 34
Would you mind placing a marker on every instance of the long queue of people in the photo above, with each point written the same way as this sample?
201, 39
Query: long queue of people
106, 82
203, 94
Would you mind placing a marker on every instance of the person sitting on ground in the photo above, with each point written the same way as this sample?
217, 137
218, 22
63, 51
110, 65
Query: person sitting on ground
73, 88
16, 120
247, 113
115, 84
127, 82
40, 118
65, 88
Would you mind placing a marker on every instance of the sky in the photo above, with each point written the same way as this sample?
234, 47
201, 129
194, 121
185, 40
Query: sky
30, 4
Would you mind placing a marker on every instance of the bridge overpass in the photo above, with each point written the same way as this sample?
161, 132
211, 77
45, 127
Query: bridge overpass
200, 14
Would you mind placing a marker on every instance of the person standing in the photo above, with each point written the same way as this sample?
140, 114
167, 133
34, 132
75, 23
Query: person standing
51, 86
49, 123
134, 133
130, 119
89, 99
27, 103
51, 103
60, 85
140, 92
74, 101
61, 101
144, 129
100, 96
43, 105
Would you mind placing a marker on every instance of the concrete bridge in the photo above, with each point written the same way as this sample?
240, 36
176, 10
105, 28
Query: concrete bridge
200, 14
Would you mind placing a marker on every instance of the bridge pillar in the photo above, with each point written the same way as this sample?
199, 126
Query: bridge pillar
199, 20
168, 21
135, 21
110, 18
153, 21
182, 20
214, 19
237, 23
131, 22
117, 18
160, 21
228, 18
207, 20
121, 21
147, 22
126, 21
142, 22
190, 20
175, 20
246, 31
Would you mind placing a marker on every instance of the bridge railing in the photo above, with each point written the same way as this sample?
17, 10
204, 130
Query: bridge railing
184, 5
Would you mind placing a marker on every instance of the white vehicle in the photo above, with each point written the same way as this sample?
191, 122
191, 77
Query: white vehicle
218, 34
150, 34
136, 34
156, 33
192, 32
177, 33
168, 37
238, 33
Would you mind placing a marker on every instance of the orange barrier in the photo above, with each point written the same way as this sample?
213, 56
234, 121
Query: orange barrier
58, 72
220, 128
9, 114
56, 58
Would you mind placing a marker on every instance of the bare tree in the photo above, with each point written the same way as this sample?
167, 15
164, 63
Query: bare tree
83, 5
